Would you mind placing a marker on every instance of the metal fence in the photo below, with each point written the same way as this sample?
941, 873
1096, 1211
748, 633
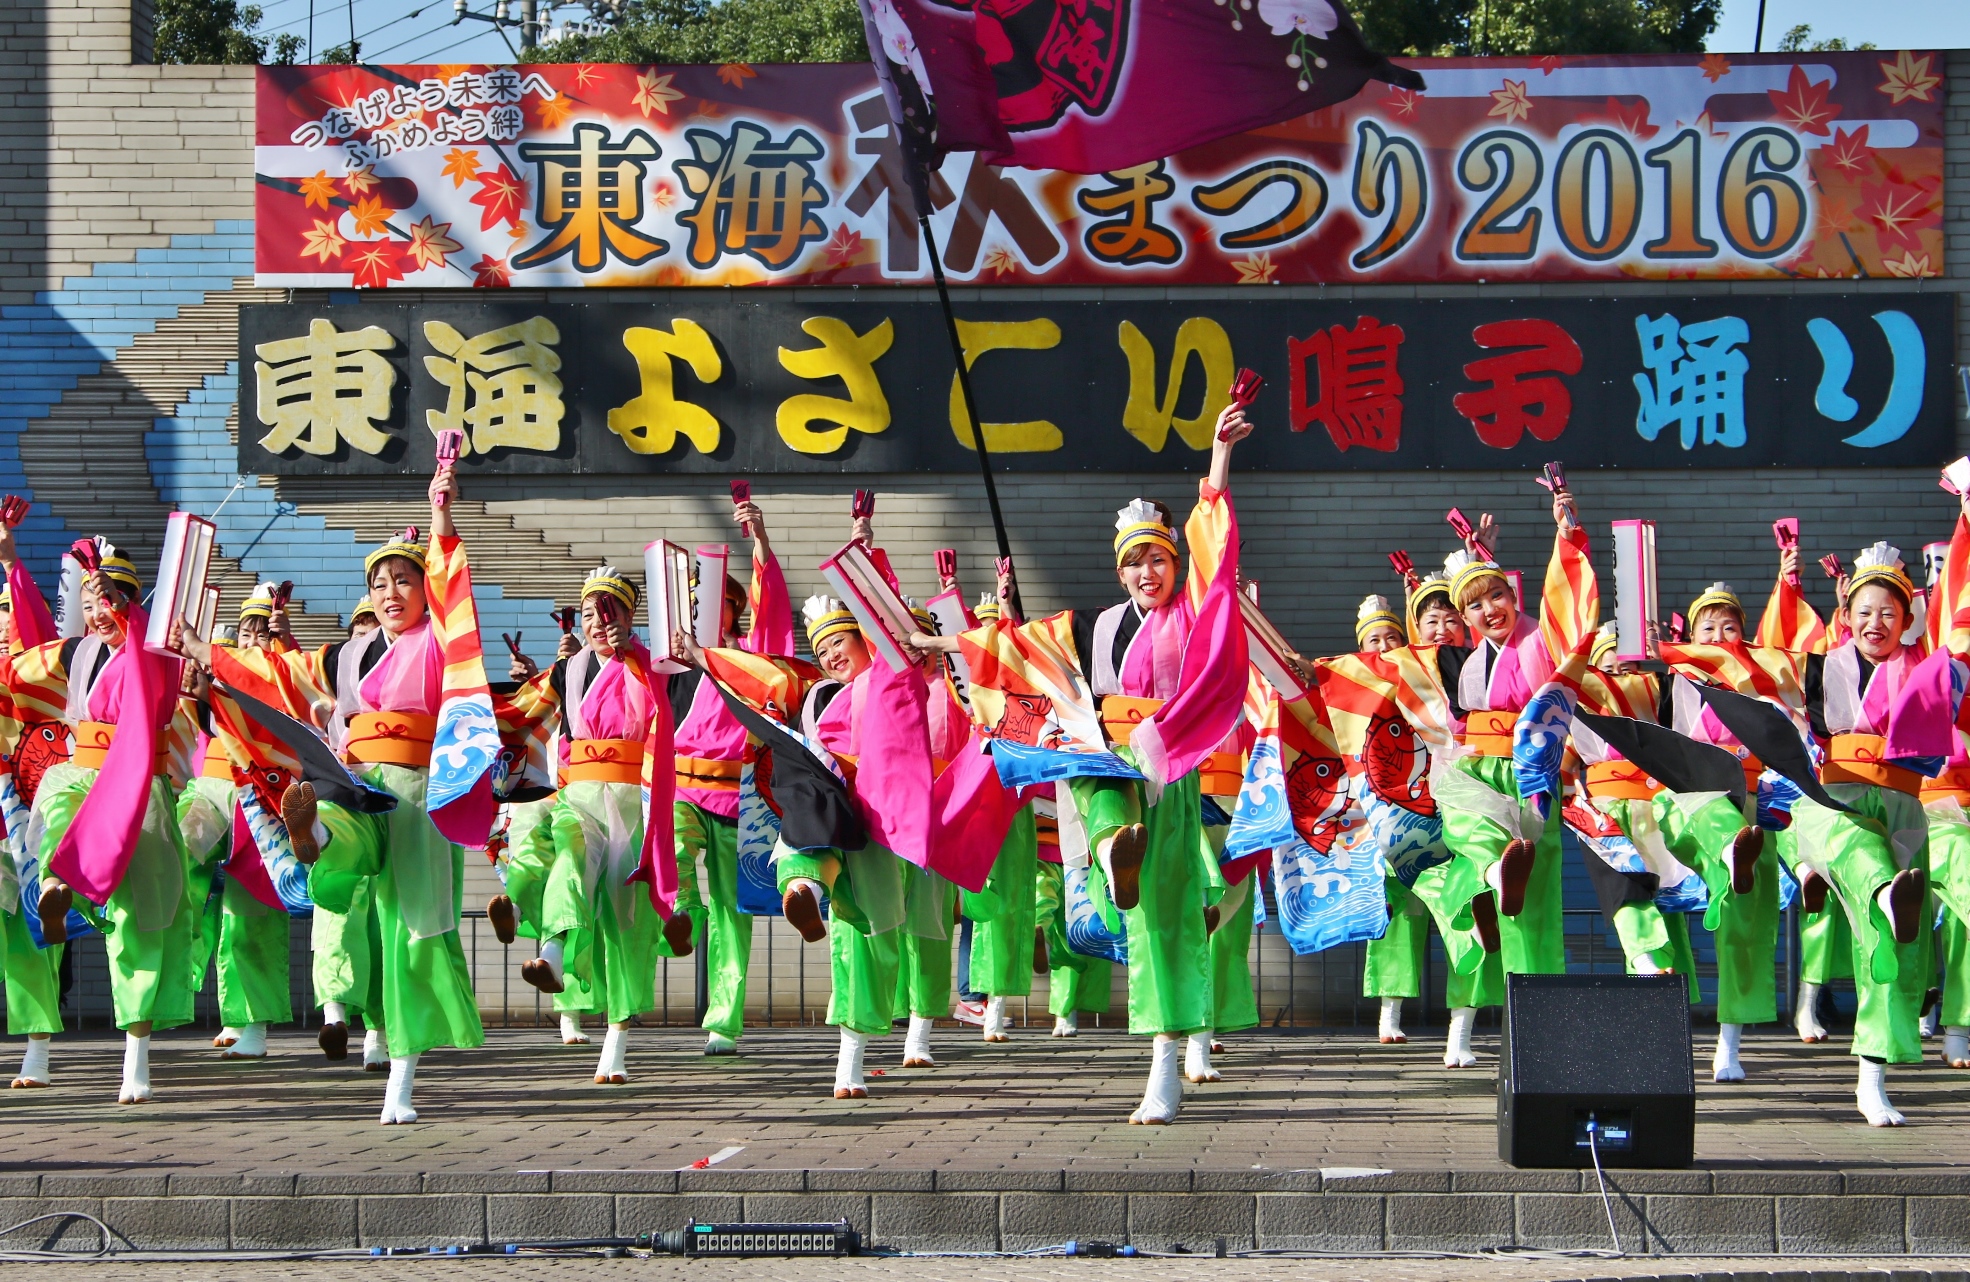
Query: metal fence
789, 981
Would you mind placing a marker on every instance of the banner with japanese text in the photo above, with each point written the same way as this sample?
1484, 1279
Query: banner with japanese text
1552, 168
735, 382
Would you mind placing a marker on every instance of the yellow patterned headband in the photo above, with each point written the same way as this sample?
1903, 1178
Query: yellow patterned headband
363, 606
256, 607
825, 617
1375, 612
1892, 575
1140, 523
120, 570
609, 581
404, 545
1470, 576
1604, 643
1717, 594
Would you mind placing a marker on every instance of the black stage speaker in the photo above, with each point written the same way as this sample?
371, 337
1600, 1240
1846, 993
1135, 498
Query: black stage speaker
1610, 1051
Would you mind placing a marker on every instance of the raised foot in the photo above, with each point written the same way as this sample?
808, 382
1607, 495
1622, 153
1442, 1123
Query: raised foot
1813, 889
541, 975
1125, 855
677, 933
1745, 849
56, 900
803, 913
505, 918
1484, 918
1514, 873
1905, 906
297, 810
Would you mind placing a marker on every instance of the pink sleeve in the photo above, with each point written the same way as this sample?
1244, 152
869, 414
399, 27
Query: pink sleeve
33, 623
772, 609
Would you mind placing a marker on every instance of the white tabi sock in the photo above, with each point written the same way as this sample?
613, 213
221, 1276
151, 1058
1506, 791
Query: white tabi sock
1806, 1019
34, 1064
1643, 964
396, 1097
1494, 877
376, 1048
1871, 1093
1104, 853
1068, 1025
1724, 1066
1197, 1058
1956, 1047
1457, 1046
550, 952
612, 1068
1391, 1029
916, 1046
320, 832
227, 1036
720, 1044
334, 1013
995, 1020
136, 1070
1932, 1022
251, 1043
848, 1066
571, 1034
1163, 1095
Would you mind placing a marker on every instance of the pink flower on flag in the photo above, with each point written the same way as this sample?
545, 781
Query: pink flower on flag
1314, 18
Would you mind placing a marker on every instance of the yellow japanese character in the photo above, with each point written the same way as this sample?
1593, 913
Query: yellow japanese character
324, 388
504, 392
1149, 420
845, 355
652, 422
979, 337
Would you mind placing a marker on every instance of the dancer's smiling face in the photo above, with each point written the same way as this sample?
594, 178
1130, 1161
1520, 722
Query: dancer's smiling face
1880, 616
396, 592
1150, 574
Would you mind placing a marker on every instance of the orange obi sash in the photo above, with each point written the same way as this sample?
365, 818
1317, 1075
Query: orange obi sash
1488, 733
707, 772
1047, 829
391, 739
92, 740
1620, 779
847, 762
217, 765
1222, 774
1120, 715
1954, 782
1856, 758
604, 761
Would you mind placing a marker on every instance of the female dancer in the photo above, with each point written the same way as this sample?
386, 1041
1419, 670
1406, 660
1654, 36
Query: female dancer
123, 708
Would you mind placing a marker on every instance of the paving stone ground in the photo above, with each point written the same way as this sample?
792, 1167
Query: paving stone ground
1054, 1269
525, 1103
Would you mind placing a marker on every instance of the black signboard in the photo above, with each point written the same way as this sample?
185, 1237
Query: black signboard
732, 383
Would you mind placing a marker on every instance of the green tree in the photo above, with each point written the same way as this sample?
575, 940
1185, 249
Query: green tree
1419, 28
722, 31
1800, 40
217, 31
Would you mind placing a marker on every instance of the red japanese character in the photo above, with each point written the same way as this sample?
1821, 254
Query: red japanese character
1360, 393
1500, 412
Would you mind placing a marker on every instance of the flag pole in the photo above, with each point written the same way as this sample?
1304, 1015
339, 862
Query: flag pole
970, 404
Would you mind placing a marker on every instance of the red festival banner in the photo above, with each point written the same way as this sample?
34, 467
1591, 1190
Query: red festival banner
1594, 168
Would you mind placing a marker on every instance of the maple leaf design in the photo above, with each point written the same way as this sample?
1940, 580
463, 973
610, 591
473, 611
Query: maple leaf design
586, 74
1633, 118
1897, 211
1715, 66
519, 231
736, 74
653, 93
376, 263
1258, 269
552, 112
1908, 77
501, 197
1803, 105
461, 166
843, 246
1908, 266
1703, 124
1848, 152
710, 110
1402, 101
1832, 217
371, 216
361, 180
429, 244
323, 242
662, 194
1000, 261
1512, 102
1549, 63
491, 273
318, 191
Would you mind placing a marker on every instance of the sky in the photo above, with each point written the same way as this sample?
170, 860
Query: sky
405, 31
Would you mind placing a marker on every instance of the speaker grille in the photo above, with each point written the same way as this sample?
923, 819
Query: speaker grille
1599, 1035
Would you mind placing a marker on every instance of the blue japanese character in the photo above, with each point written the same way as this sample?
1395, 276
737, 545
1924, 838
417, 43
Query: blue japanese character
1699, 379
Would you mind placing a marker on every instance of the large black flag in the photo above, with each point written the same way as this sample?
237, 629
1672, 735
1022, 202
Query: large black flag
1771, 737
319, 764
1676, 761
816, 811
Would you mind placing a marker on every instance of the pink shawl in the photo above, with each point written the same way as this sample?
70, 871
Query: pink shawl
1209, 696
